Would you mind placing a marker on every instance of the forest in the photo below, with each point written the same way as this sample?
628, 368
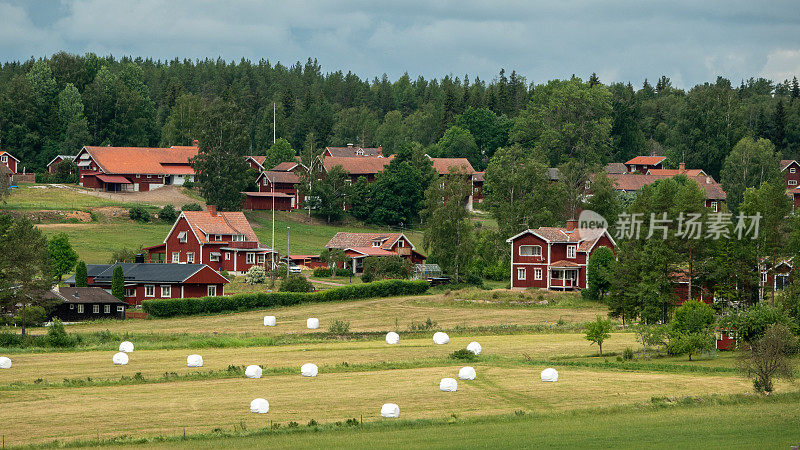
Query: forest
58, 104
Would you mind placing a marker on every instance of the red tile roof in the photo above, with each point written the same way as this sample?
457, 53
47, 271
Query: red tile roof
287, 166
143, 160
224, 222
478, 176
632, 182
357, 240
564, 263
258, 159
443, 165
673, 172
616, 168
267, 194
279, 177
372, 251
646, 160
367, 165
349, 152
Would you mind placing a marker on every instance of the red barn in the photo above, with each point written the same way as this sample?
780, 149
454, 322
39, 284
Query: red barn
362, 245
8, 160
222, 240
154, 281
553, 258
134, 168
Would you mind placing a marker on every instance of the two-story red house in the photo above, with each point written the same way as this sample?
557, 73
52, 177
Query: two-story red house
553, 258
222, 240
641, 164
134, 168
278, 187
352, 151
634, 182
8, 160
791, 173
362, 245
366, 166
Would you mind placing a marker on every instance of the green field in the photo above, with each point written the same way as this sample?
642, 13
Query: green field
42, 197
95, 242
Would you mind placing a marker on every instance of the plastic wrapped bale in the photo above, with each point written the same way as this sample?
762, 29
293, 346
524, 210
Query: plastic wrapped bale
448, 385
194, 361
474, 347
390, 410
312, 323
467, 373
252, 371
120, 359
270, 321
309, 370
440, 338
126, 347
5, 363
550, 375
259, 406
392, 338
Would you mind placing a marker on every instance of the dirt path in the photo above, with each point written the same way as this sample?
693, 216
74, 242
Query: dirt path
329, 283
167, 195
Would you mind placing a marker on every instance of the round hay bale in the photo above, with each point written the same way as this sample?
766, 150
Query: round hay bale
550, 375
259, 406
448, 385
126, 347
194, 361
474, 347
309, 370
312, 323
252, 371
440, 338
270, 321
5, 363
392, 338
390, 410
467, 373
120, 359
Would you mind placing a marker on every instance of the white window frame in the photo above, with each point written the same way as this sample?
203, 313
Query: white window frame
376, 243
792, 182
150, 288
130, 292
237, 238
182, 236
106, 309
401, 243
166, 291
120, 308
537, 273
213, 257
764, 278
211, 290
572, 251
190, 257
95, 309
227, 256
262, 259
80, 309
715, 206
521, 273
176, 257
250, 258
533, 254
4, 158
792, 170
217, 237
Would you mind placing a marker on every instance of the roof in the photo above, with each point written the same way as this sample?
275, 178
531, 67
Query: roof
203, 223
367, 165
267, 194
258, 159
63, 157
345, 240
646, 160
786, 163
371, 251
280, 177
148, 272
84, 295
443, 165
351, 151
616, 168
478, 176
143, 160
673, 172
562, 235
3, 152
287, 166
113, 179
632, 182
564, 263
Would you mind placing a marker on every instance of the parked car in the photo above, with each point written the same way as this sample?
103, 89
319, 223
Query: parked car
294, 268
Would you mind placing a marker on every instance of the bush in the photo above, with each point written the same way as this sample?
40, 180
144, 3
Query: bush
339, 327
387, 267
35, 316
296, 283
261, 300
168, 214
463, 354
225, 274
627, 354
57, 336
367, 277
322, 272
191, 206
139, 213
751, 323
10, 340
423, 326
256, 275
188, 184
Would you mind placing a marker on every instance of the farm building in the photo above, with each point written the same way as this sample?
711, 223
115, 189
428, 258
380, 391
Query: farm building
278, 188
361, 245
52, 164
86, 303
553, 258
8, 160
791, 173
156, 280
351, 151
634, 182
641, 164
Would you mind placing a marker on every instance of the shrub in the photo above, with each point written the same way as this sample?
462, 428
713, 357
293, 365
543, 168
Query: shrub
387, 267
339, 327
57, 336
168, 214
188, 184
139, 213
191, 206
367, 277
296, 283
627, 354
693, 317
423, 326
11, 340
463, 354
255, 275
751, 323
322, 272
770, 356
35, 316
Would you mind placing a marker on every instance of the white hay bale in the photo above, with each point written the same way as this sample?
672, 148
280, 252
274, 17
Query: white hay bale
467, 373
259, 406
440, 338
448, 385
120, 359
392, 338
390, 410
126, 347
309, 370
312, 323
270, 321
194, 361
5, 363
474, 347
550, 375
252, 371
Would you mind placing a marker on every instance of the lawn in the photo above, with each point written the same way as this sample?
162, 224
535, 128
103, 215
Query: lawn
43, 197
95, 242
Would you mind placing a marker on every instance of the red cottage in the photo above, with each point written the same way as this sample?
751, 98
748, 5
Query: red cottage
222, 240
351, 151
641, 164
553, 258
154, 281
791, 173
281, 184
134, 168
780, 277
8, 160
477, 187
361, 245
52, 164
366, 166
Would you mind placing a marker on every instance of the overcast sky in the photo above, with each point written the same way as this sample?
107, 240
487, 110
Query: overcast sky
689, 41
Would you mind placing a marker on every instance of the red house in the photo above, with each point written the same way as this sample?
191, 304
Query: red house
553, 258
351, 151
362, 245
221, 240
52, 164
641, 164
155, 281
366, 166
8, 160
477, 187
791, 173
681, 170
277, 185
634, 182
134, 168
780, 277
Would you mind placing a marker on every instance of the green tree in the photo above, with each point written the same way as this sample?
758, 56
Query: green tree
391, 133
693, 316
62, 255
118, 283
770, 356
336, 259
327, 197
280, 151
458, 143
604, 200
81, 275
448, 232
751, 323
182, 125
750, 164
397, 194
598, 331
73, 124
489, 130
600, 273
355, 125
168, 214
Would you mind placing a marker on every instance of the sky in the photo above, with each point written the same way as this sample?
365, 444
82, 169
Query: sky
691, 42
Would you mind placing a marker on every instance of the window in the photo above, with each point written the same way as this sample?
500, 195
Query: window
571, 251
120, 308
376, 243
537, 273
130, 292
107, 309
792, 170
149, 290
217, 237
251, 258
212, 290
227, 256
763, 278
237, 238
401, 243
714, 206
190, 257
71, 306
95, 309
530, 250
176, 257
166, 291
520, 273
214, 256
792, 182
182, 236
261, 259
80, 309
5, 158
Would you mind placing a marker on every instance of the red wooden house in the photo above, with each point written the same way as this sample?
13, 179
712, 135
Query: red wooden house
553, 258
477, 187
777, 278
791, 173
351, 151
154, 281
362, 245
634, 182
8, 160
222, 240
279, 187
680, 283
366, 166
134, 168
641, 164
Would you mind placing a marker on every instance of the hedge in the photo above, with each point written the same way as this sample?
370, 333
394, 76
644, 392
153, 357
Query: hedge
259, 300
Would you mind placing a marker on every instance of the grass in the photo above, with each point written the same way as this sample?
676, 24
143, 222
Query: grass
95, 242
41, 197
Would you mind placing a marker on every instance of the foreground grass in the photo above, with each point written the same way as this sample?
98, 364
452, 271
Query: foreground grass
95, 242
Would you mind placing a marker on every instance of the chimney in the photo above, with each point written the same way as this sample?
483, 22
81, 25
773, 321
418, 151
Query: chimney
212, 209
196, 143
349, 145
139, 259
380, 149
572, 224
682, 167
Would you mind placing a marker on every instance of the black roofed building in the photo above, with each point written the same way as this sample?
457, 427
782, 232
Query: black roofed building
86, 303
